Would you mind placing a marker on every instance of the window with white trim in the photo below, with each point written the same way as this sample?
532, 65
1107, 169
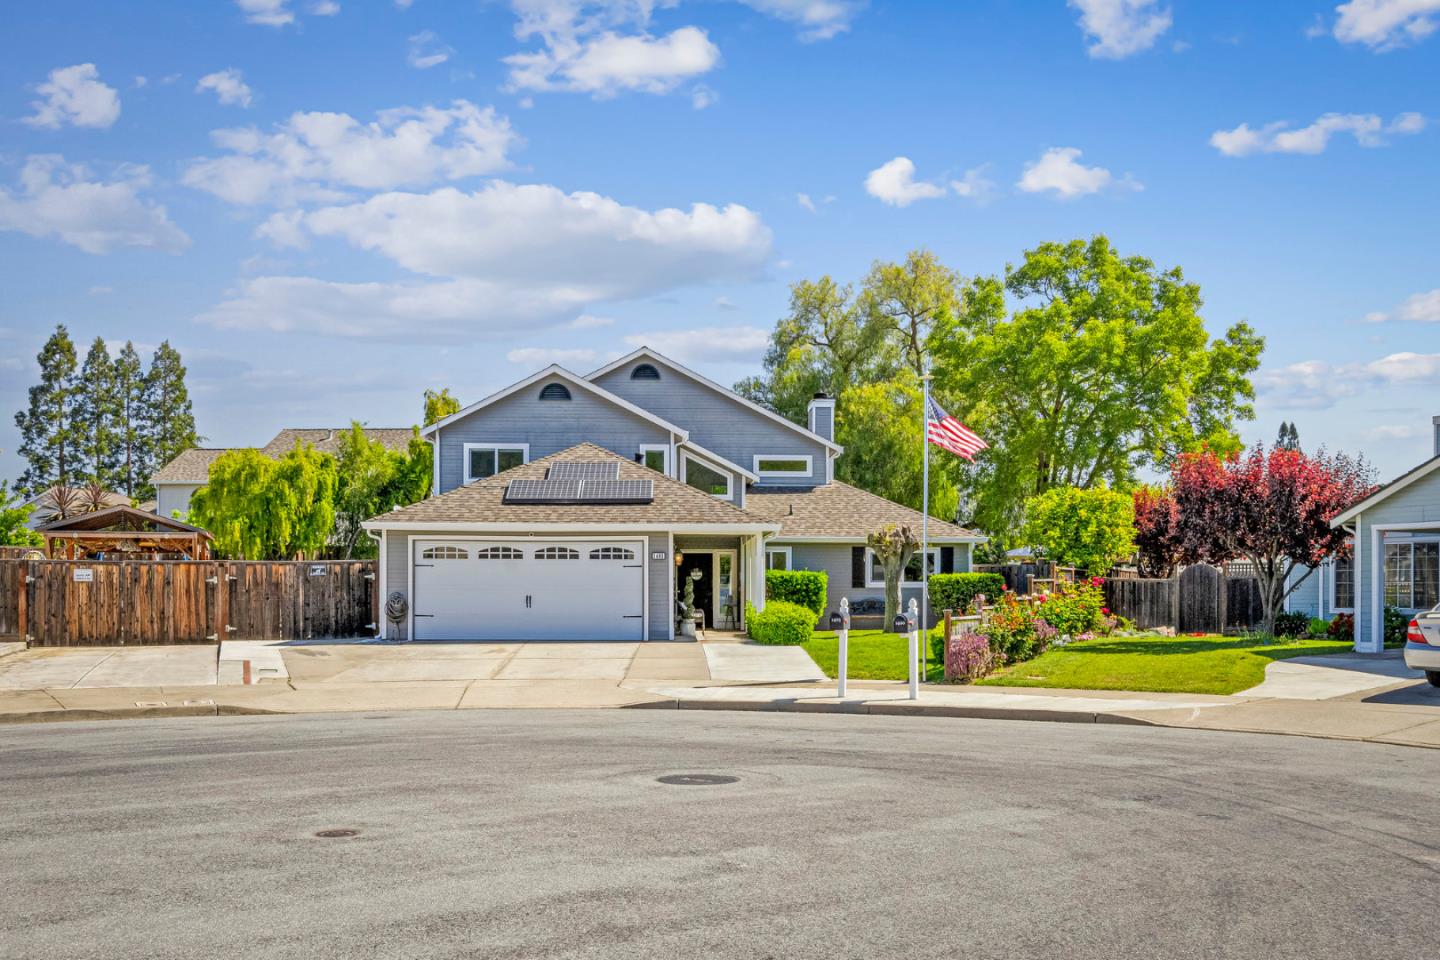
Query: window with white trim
499, 553
487, 459
702, 476
778, 558
1343, 584
443, 553
557, 553
612, 553
781, 466
1412, 575
875, 573
656, 456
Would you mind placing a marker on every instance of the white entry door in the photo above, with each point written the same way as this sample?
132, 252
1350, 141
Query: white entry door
528, 589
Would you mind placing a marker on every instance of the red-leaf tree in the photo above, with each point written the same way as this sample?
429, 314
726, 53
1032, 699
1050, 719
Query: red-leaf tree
1157, 532
1272, 508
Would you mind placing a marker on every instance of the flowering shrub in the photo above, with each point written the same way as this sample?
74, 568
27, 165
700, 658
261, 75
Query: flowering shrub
969, 657
1011, 628
1077, 608
1342, 627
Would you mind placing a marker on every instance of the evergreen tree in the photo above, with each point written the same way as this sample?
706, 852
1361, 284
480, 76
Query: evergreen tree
169, 422
48, 431
133, 464
96, 416
1289, 438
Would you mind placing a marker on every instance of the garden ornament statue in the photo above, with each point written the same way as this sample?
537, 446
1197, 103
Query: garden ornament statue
396, 608
687, 613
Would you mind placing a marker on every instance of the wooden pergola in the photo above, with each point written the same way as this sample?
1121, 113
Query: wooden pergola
123, 531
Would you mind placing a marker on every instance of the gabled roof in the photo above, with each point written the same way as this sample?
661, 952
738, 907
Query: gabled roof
556, 370
482, 503
707, 382
193, 465
838, 511
1389, 489
125, 518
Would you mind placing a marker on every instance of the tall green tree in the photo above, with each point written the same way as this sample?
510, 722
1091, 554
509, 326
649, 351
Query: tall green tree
911, 301
439, 405
234, 506
97, 415
1289, 438
372, 480
133, 464
302, 502
169, 420
878, 424
1104, 366
49, 433
14, 513
1091, 529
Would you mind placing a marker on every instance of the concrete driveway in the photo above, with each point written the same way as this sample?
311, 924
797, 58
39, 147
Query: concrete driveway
69, 668
1328, 677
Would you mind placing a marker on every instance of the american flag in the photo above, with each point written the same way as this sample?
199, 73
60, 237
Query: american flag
950, 434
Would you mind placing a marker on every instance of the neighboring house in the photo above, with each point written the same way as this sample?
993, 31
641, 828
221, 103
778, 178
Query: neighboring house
575, 507
178, 480
43, 509
1395, 559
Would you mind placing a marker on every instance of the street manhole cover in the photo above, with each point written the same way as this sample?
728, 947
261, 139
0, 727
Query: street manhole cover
697, 779
336, 834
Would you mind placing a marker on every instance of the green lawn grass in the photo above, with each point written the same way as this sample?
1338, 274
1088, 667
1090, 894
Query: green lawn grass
1207, 664
874, 655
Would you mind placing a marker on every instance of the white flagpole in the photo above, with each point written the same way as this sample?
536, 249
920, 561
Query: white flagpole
925, 520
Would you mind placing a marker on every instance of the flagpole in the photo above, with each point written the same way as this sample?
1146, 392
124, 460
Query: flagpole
925, 519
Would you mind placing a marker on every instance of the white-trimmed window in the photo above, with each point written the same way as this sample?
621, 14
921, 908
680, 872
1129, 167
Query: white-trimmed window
487, 459
656, 456
705, 476
875, 573
783, 466
1342, 584
1412, 575
778, 558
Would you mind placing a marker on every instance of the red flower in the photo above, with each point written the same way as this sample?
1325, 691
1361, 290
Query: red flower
1003, 589
1105, 610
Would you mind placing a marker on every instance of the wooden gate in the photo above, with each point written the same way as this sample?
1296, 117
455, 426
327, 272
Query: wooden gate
1202, 600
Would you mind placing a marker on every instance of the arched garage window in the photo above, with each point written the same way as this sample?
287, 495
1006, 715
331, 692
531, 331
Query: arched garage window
499, 553
443, 553
612, 553
557, 553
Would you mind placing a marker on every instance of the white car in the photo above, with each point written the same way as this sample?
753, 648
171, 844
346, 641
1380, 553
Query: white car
1422, 645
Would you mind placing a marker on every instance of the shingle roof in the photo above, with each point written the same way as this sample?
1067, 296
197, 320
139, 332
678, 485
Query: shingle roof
193, 466
839, 510
482, 501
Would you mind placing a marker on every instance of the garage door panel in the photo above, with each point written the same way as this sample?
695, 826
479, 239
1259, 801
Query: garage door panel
528, 590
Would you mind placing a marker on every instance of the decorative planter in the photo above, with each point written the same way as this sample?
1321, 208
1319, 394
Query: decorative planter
687, 628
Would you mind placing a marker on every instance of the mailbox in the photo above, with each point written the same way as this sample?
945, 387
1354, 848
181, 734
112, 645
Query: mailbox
837, 621
902, 623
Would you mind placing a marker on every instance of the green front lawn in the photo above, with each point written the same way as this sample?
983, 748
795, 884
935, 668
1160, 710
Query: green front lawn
874, 655
1208, 664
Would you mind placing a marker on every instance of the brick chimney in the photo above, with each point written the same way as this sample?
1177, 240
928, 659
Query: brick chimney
822, 416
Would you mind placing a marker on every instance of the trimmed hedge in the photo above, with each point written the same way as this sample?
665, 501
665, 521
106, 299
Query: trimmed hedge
808, 588
955, 591
780, 622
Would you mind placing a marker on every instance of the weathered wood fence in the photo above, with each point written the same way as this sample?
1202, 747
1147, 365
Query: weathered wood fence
1200, 599
1018, 575
133, 602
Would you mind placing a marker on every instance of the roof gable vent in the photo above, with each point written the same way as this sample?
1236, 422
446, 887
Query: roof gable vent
555, 391
645, 371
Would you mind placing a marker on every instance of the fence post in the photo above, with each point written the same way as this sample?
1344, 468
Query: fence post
222, 600
22, 601
1175, 601
1224, 600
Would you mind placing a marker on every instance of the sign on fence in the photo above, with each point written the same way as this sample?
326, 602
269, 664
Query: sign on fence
84, 575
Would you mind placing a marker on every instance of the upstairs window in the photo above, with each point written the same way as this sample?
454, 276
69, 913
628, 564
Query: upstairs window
656, 456
704, 477
487, 459
781, 466
644, 371
555, 391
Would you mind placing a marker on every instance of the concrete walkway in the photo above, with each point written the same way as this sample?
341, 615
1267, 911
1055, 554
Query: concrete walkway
1323, 678
67, 668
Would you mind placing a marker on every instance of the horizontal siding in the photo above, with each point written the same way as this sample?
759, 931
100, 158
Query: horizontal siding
1306, 598
1417, 503
173, 498
716, 421
548, 426
659, 570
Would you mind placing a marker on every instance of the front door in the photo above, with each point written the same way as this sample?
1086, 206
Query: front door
704, 586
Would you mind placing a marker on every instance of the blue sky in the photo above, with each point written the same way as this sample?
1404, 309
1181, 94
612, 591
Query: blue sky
329, 207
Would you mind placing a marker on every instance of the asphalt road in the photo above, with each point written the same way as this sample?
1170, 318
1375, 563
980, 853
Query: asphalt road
545, 834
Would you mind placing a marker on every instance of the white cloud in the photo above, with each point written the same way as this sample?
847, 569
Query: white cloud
269, 13
588, 321
325, 8
1059, 171
1390, 431
1319, 384
1386, 24
817, 19
503, 257
544, 356
1367, 129
427, 51
702, 96
894, 183
63, 200
1416, 308
74, 95
707, 345
804, 200
974, 185
1120, 28
229, 86
317, 155
725, 303
1406, 367
609, 63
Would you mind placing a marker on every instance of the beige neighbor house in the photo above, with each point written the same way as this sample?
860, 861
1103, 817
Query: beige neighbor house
178, 480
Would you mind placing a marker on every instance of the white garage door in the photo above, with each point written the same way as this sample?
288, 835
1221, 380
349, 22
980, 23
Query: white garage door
529, 589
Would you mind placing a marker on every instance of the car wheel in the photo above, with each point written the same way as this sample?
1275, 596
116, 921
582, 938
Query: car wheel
1434, 677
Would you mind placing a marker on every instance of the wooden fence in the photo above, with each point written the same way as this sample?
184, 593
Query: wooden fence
132, 602
1201, 599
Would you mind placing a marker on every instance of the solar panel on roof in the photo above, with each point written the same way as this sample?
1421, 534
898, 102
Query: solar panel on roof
585, 470
617, 491
579, 491
542, 491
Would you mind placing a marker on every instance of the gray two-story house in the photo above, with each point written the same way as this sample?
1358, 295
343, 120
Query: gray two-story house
577, 507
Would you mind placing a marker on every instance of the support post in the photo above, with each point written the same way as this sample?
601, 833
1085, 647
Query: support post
914, 623
840, 623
